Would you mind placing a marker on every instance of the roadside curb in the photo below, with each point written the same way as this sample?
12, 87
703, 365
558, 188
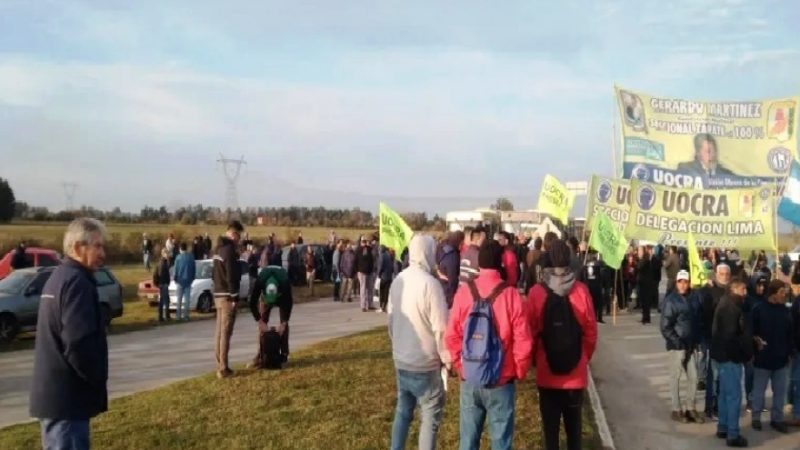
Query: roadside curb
600, 415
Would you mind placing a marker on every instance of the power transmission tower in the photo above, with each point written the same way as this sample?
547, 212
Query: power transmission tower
232, 168
69, 194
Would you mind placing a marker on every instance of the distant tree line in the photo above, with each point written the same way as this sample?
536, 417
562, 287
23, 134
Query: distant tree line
292, 216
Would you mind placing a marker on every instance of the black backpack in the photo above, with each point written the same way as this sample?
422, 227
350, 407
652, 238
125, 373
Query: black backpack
271, 357
561, 334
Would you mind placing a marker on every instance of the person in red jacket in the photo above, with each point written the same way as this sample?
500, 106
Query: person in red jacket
562, 395
513, 330
510, 262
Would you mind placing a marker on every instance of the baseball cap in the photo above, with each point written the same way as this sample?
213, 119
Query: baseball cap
682, 275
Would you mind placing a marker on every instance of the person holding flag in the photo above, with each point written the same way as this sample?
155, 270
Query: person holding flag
610, 243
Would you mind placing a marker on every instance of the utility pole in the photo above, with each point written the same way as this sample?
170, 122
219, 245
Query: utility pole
69, 194
232, 168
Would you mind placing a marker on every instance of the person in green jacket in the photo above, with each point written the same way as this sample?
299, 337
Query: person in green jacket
272, 289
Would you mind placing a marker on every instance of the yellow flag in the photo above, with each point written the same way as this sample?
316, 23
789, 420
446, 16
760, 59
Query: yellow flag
394, 233
555, 199
696, 267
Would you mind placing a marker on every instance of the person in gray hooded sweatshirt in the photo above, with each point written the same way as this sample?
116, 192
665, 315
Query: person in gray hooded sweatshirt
417, 323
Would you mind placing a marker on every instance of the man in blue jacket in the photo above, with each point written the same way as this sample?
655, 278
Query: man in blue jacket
772, 333
70, 368
184, 277
680, 326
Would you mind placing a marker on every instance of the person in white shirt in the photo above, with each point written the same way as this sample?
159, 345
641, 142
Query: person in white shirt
417, 323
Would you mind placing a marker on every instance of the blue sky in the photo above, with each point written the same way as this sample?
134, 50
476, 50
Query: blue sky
428, 105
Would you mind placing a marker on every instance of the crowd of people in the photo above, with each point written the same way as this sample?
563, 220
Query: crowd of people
735, 330
485, 330
485, 311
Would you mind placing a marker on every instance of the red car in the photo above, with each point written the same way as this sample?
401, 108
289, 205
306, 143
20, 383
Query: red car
35, 257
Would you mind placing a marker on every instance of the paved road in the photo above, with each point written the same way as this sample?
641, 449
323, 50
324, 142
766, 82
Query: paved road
630, 369
148, 359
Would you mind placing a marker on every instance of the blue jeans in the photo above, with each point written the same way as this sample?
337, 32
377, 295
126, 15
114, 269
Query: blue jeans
778, 379
65, 434
796, 385
146, 258
748, 381
426, 390
712, 378
730, 398
163, 301
184, 301
498, 403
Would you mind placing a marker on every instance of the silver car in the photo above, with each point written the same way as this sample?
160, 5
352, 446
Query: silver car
21, 291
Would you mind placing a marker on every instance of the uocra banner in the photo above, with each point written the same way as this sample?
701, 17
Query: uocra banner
724, 218
706, 145
610, 196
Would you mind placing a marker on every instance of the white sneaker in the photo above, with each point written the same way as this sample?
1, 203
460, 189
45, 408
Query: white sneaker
379, 311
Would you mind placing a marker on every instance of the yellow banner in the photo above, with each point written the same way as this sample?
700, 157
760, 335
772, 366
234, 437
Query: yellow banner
611, 196
555, 199
723, 218
700, 144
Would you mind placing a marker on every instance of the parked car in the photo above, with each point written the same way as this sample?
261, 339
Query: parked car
202, 296
794, 255
35, 256
21, 291
319, 259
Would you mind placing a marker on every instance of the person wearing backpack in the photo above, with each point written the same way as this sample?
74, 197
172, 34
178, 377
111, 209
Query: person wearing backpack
272, 289
417, 322
564, 329
490, 344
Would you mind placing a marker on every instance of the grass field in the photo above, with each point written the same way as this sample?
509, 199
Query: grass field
50, 235
139, 315
339, 394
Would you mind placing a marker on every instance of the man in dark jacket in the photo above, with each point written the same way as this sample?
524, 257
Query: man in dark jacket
386, 275
449, 265
772, 332
295, 265
680, 320
227, 277
647, 287
592, 277
207, 246
347, 270
271, 277
756, 294
162, 279
731, 347
70, 368
365, 265
19, 259
710, 297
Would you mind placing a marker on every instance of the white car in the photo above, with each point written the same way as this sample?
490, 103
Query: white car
794, 255
202, 296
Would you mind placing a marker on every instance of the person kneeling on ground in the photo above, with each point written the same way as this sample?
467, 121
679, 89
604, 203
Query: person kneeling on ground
680, 326
272, 289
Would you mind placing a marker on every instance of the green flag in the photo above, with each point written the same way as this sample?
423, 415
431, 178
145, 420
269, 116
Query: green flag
555, 199
696, 267
608, 240
394, 232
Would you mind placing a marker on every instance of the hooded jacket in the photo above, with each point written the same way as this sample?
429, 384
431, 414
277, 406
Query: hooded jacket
418, 312
562, 282
510, 323
185, 269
